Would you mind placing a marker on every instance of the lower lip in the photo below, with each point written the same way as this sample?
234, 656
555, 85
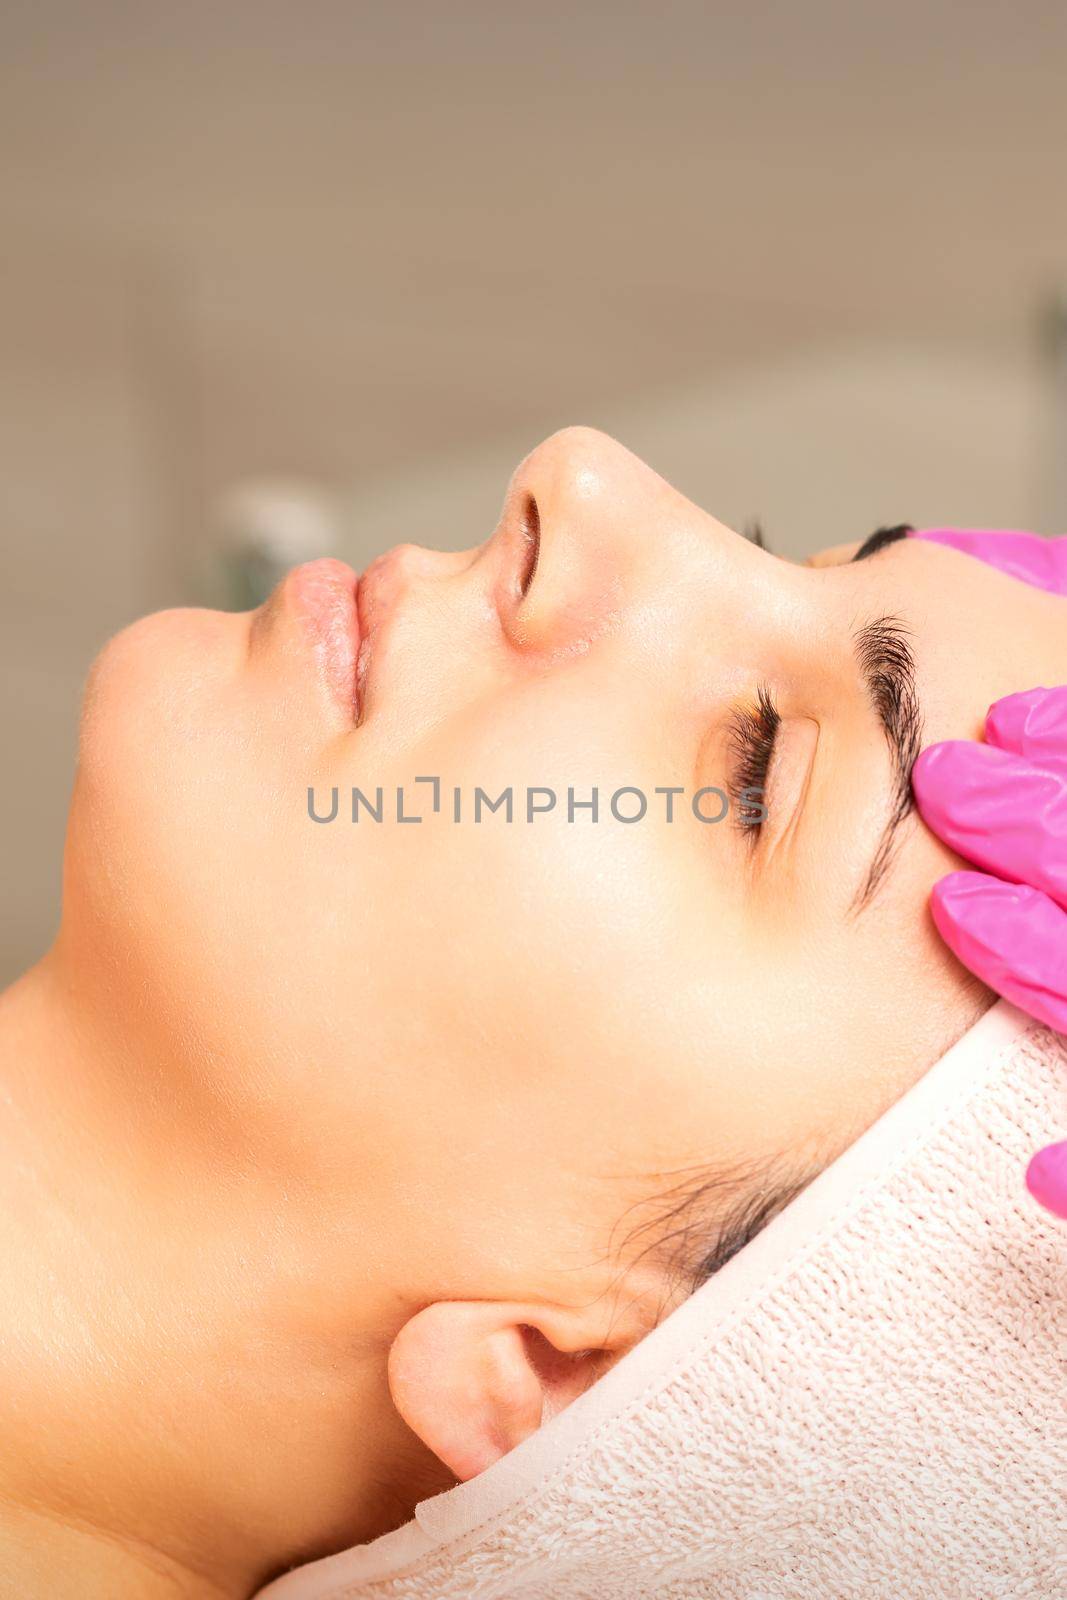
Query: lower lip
323, 594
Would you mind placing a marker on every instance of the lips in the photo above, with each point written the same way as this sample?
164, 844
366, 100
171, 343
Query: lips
379, 590
322, 596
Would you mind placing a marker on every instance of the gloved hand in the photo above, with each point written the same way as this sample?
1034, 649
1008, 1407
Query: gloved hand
1003, 805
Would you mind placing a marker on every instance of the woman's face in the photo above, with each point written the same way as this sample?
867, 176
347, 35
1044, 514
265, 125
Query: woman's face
487, 1040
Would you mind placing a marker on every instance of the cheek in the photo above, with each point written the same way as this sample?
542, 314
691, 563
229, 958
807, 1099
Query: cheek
570, 929
857, 1009
556, 973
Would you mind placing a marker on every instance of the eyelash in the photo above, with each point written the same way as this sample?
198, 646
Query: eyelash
752, 734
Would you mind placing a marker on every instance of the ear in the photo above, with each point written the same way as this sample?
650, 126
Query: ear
475, 1378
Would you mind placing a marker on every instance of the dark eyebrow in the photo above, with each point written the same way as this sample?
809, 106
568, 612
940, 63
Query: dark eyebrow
880, 538
887, 669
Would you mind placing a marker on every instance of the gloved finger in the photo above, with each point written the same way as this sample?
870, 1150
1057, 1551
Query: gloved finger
1046, 1178
1011, 936
998, 810
1033, 724
1037, 561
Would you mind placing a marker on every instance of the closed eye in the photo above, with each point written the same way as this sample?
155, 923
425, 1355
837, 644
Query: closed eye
752, 733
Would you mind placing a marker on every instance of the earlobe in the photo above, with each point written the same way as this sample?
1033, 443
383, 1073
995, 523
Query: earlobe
473, 1378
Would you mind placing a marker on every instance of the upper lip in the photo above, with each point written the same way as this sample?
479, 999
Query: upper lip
374, 604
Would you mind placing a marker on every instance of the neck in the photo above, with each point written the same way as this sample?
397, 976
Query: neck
182, 1407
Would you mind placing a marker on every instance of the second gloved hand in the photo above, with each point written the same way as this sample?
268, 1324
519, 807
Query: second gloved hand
1003, 805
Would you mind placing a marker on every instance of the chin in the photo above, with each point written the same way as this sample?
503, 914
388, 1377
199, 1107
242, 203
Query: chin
148, 751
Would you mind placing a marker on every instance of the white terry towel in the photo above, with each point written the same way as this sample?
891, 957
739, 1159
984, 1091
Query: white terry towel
868, 1401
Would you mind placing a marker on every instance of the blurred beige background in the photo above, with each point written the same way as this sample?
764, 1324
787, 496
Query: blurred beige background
796, 256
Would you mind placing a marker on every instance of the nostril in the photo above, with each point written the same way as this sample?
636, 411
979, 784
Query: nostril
530, 524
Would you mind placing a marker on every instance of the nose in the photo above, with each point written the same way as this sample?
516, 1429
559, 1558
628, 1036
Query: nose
576, 535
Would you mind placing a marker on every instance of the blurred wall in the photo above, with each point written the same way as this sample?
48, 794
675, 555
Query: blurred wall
791, 254
821, 447
89, 497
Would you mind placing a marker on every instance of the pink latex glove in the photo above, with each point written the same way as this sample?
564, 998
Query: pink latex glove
1003, 805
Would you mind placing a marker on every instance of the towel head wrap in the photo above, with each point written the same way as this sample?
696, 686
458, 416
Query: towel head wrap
867, 1401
